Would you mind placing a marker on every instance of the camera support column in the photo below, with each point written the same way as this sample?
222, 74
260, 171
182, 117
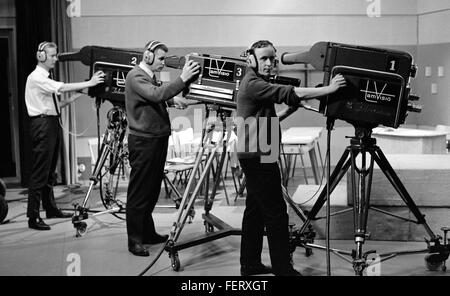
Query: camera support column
361, 182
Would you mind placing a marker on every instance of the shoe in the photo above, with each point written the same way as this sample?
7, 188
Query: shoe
57, 214
289, 272
156, 239
247, 270
38, 224
138, 250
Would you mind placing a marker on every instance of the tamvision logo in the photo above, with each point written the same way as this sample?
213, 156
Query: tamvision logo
74, 8
374, 8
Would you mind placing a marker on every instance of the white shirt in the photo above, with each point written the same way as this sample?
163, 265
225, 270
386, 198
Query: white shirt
38, 92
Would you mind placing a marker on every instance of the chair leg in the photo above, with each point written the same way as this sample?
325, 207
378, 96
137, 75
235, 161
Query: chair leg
293, 168
304, 169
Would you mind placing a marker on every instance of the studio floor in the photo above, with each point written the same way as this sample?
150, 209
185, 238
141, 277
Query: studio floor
102, 250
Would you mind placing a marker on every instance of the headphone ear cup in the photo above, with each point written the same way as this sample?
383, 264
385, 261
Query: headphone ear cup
251, 61
151, 57
41, 56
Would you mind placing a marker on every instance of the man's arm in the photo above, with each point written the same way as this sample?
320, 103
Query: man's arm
156, 94
97, 78
263, 91
314, 92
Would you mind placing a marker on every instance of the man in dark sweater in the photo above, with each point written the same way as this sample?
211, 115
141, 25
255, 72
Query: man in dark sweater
146, 101
259, 138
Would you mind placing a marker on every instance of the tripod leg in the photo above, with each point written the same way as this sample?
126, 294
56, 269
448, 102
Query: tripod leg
361, 204
183, 215
390, 174
218, 178
338, 173
96, 175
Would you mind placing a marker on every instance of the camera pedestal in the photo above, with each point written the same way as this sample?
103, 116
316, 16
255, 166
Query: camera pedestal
361, 181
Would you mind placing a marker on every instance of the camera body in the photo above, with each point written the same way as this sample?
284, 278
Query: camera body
218, 80
113, 89
114, 62
377, 91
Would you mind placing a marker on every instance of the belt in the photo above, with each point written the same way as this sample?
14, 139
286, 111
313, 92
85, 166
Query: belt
43, 116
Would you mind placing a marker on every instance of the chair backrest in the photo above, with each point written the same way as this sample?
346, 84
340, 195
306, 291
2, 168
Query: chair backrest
182, 142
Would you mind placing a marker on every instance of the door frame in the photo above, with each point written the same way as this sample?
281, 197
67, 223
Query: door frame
10, 34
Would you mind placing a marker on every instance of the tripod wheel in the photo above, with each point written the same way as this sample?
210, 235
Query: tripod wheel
3, 203
208, 227
175, 261
81, 229
433, 262
308, 252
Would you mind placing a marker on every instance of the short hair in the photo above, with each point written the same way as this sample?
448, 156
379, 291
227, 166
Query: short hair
154, 45
261, 44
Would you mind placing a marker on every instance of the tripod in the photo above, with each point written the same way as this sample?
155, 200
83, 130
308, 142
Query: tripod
209, 147
361, 180
110, 167
211, 222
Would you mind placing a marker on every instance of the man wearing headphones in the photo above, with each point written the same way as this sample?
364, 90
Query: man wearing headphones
43, 110
265, 206
146, 103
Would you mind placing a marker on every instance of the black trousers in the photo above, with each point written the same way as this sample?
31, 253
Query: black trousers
46, 141
147, 159
264, 208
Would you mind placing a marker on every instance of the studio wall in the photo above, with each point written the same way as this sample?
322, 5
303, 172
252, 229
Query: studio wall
229, 27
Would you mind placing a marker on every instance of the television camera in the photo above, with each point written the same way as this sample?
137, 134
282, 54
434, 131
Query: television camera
219, 79
377, 93
378, 82
112, 162
114, 62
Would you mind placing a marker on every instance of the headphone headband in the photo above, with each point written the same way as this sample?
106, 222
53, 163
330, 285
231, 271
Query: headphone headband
153, 45
42, 45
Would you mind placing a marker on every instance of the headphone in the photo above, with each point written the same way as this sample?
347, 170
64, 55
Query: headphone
151, 49
251, 59
250, 53
41, 54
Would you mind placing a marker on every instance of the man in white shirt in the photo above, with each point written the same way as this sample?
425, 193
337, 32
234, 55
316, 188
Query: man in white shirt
43, 110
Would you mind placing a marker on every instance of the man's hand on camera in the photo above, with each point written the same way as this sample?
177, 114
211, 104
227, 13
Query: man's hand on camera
190, 69
98, 77
180, 103
337, 82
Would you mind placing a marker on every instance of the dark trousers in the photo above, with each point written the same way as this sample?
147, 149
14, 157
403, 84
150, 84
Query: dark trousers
147, 159
264, 208
46, 139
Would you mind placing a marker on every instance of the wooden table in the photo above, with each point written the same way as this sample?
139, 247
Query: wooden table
410, 141
298, 141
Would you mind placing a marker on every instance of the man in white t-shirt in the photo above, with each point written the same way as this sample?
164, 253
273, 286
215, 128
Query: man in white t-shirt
43, 110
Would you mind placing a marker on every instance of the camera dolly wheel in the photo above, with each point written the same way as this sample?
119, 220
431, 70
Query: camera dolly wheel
446, 244
3, 203
175, 261
208, 227
80, 228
